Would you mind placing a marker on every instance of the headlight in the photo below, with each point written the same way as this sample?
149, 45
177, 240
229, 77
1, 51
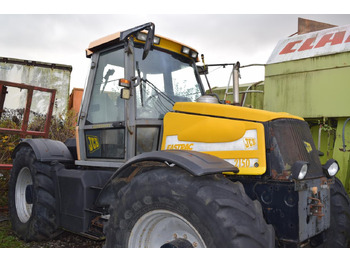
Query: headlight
143, 37
190, 52
194, 54
331, 168
299, 170
185, 50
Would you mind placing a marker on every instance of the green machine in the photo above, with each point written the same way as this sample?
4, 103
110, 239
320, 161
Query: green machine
308, 75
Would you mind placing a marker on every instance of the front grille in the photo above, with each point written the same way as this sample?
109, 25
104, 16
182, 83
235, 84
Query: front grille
291, 141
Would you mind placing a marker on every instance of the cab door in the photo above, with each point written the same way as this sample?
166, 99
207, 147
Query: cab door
102, 119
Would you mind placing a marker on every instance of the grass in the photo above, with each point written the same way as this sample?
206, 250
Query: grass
7, 239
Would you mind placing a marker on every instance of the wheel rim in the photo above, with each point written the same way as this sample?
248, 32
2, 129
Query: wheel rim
159, 227
23, 208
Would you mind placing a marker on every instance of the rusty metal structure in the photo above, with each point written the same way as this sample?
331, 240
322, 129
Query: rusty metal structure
24, 132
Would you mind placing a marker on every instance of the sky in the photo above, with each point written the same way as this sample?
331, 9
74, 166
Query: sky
61, 35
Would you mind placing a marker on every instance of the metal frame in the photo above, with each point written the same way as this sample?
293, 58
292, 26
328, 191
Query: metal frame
23, 132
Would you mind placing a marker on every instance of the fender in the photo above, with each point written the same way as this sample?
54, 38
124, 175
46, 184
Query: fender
46, 150
196, 163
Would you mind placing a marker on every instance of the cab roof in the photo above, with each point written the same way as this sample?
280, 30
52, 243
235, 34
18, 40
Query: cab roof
102, 42
113, 39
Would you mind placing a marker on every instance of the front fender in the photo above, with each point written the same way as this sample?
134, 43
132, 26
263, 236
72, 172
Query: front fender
46, 150
196, 163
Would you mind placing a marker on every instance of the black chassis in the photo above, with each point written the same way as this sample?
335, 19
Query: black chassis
294, 208
84, 194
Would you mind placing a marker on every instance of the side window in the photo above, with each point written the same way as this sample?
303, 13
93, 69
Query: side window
147, 138
105, 103
105, 143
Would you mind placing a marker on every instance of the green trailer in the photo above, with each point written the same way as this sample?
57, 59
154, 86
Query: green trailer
308, 75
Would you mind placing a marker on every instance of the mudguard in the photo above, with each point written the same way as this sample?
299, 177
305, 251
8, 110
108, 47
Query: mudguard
46, 150
196, 163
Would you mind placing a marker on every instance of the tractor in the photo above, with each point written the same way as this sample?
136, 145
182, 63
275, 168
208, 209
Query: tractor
157, 162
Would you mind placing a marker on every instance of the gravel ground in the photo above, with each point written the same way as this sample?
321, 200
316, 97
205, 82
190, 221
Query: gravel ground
68, 240
64, 240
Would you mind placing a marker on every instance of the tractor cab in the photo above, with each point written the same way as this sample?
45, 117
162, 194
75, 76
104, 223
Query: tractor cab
127, 94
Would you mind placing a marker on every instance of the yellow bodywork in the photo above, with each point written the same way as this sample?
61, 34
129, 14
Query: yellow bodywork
233, 133
229, 111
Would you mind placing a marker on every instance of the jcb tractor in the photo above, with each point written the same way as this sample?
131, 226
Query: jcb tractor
157, 163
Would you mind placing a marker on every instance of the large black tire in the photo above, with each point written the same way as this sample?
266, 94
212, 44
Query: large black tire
32, 203
338, 235
212, 208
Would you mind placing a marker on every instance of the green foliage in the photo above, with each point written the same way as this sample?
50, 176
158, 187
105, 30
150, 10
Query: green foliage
63, 128
326, 127
8, 142
7, 239
4, 179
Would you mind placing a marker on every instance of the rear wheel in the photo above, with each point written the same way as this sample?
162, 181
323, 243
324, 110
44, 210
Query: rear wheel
168, 207
32, 203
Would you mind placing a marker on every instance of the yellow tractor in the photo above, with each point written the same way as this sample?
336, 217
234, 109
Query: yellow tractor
157, 163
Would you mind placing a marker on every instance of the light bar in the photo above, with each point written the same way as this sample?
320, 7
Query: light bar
185, 50
194, 54
190, 52
142, 37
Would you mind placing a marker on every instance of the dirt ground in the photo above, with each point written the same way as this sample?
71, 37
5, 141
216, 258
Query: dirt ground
65, 240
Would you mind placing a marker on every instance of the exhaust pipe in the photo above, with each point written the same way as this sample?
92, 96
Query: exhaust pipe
235, 74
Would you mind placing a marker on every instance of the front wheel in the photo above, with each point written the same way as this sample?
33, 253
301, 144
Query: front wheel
338, 235
168, 207
160, 227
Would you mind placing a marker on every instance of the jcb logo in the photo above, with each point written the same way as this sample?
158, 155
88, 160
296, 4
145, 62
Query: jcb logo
249, 142
308, 147
93, 143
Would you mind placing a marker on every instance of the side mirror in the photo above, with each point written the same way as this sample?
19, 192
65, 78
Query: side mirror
149, 41
150, 27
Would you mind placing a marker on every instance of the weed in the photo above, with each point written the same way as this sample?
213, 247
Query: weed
7, 239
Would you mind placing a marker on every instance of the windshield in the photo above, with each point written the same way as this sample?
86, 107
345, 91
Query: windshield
165, 79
